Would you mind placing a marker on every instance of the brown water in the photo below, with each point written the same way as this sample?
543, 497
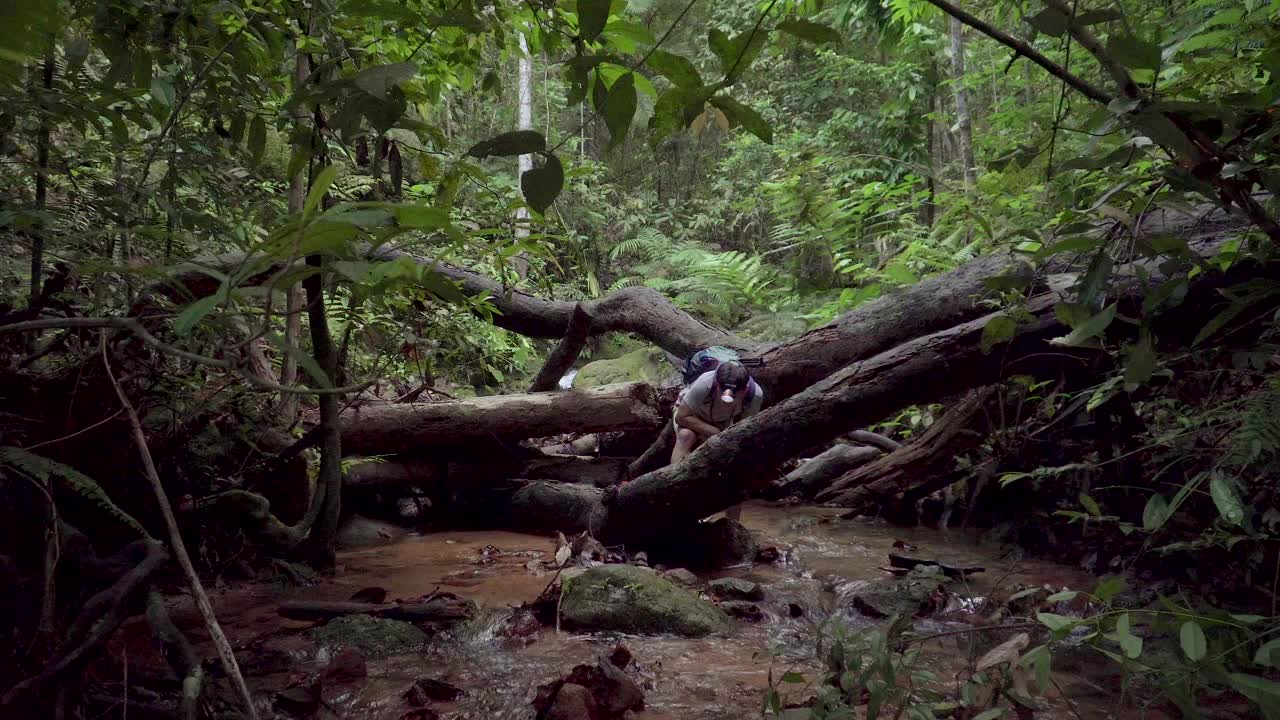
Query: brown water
825, 561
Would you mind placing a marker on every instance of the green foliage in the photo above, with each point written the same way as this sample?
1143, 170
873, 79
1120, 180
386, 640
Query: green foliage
43, 470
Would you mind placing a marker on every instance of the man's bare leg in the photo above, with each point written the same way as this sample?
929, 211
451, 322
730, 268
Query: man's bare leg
686, 441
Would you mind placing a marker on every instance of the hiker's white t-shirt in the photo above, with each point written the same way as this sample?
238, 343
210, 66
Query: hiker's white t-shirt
699, 400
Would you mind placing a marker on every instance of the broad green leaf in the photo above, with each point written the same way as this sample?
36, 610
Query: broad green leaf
1080, 243
257, 138
162, 91
749, 119
628, 35
1257, 689
1109, 588
1089, 329
1050, 21
194, 313
378, 81
592, 16
356, 271
1156, 125
1155, 513
1141, 360
809, 30
305, 360
1056, 623
516, 142
319, 187
1131, 645
736, 54
1063, 596
1269, 654
620, 108
678, 69
1134, 53
1193, 642
792, 677
541, 186
998, 329
1095, 279
1090, 504
1039, 658
1225, 497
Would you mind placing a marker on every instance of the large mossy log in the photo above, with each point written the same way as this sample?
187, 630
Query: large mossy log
385, 429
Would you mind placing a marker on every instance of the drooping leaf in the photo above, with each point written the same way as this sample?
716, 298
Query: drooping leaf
319, 186
592, 17
1110, 588
1134, 53
1095, 279
1258, 689
1193, 641
1090, 504
1050, 21
1227, 500
305, 360
676, 68
1156, 125
744, 116
162, 91
378, 81
1006, 652
1056, 623
1268, 655
257, 138
1140, 363
516, 142
541, 186
43, 469
192, 314
1089, 329
998, 329
620, 108
1155, 513
809, 30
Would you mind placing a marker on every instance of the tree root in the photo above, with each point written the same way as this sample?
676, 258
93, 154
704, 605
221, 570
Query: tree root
180, 655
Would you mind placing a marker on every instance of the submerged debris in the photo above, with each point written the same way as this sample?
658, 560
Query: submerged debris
603, 691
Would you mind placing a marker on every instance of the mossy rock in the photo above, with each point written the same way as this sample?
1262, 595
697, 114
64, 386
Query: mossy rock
630, 599
643, 365
373, 637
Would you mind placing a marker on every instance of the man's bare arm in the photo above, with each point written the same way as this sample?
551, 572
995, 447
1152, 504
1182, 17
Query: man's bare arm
686, 418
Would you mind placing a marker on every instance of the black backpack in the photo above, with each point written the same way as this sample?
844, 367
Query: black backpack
708, 359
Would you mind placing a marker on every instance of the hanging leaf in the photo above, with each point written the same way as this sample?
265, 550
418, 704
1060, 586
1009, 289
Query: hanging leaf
592, 17
192, 314
997, 330
809, 30
1088, 330
1225, 497
516, 142
257, 139
1095, 279
162, 91
541, 186
1155, 513
1193, 642
319, 186
736, 54
676, 68
1056, 623
620, 108
1133, 53
1156, 125
1269, 654
747, 118
1090, 504
1006, 652
1257, 689
43, 469
238, 121
1050, 21
1141, 360
378, 81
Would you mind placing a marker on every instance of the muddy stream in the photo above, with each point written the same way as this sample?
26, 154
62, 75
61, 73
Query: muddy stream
824, 561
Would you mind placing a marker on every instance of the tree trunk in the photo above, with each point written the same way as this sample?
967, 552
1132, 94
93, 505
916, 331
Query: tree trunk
962, 102
44, 107
413, 427
524, 162
565, 352
819, 470
297, 197
924, 465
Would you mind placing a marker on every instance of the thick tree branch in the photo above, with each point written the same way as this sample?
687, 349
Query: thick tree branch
565, 353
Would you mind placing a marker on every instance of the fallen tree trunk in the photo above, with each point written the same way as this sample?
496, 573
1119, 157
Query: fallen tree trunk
391, 474
565, 352
822, 468
925, 464
409, 428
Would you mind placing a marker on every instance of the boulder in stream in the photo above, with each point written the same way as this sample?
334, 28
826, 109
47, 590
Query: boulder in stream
710, 546
359, 531
680, 576
921, 592
729, 588
372, 637
625, 598
603, 691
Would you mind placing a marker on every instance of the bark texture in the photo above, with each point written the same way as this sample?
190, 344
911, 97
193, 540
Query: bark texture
413, 427
826, 466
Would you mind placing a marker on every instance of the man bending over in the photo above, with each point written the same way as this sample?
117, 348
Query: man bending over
713, 402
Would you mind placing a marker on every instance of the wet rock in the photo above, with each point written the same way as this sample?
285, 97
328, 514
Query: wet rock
347, 665
735, 589
743, 610
921, 592
718, 545
359, 531
768, 555
625, 598
795, 610
620, 657
641, 559
300, 701
425, 690
421, 714
568, 702
681, 576
523, 624
370, 595
373, 637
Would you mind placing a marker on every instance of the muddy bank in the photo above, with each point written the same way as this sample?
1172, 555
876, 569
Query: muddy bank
824, 563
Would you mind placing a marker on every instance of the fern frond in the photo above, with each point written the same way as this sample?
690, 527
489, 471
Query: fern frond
42, 469
1258, 437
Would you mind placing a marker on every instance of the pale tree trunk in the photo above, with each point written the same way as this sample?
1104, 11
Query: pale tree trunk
293, 299
525, 121
962, 102
42, 176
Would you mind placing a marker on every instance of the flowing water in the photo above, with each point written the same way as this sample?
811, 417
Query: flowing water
825, 560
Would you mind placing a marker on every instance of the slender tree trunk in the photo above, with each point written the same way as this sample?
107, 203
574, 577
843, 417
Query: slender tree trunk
324, 534
525, 162
42, 177
931, 205
962, 102
292, 302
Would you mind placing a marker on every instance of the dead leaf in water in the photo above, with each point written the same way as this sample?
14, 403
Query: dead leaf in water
1006, 652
